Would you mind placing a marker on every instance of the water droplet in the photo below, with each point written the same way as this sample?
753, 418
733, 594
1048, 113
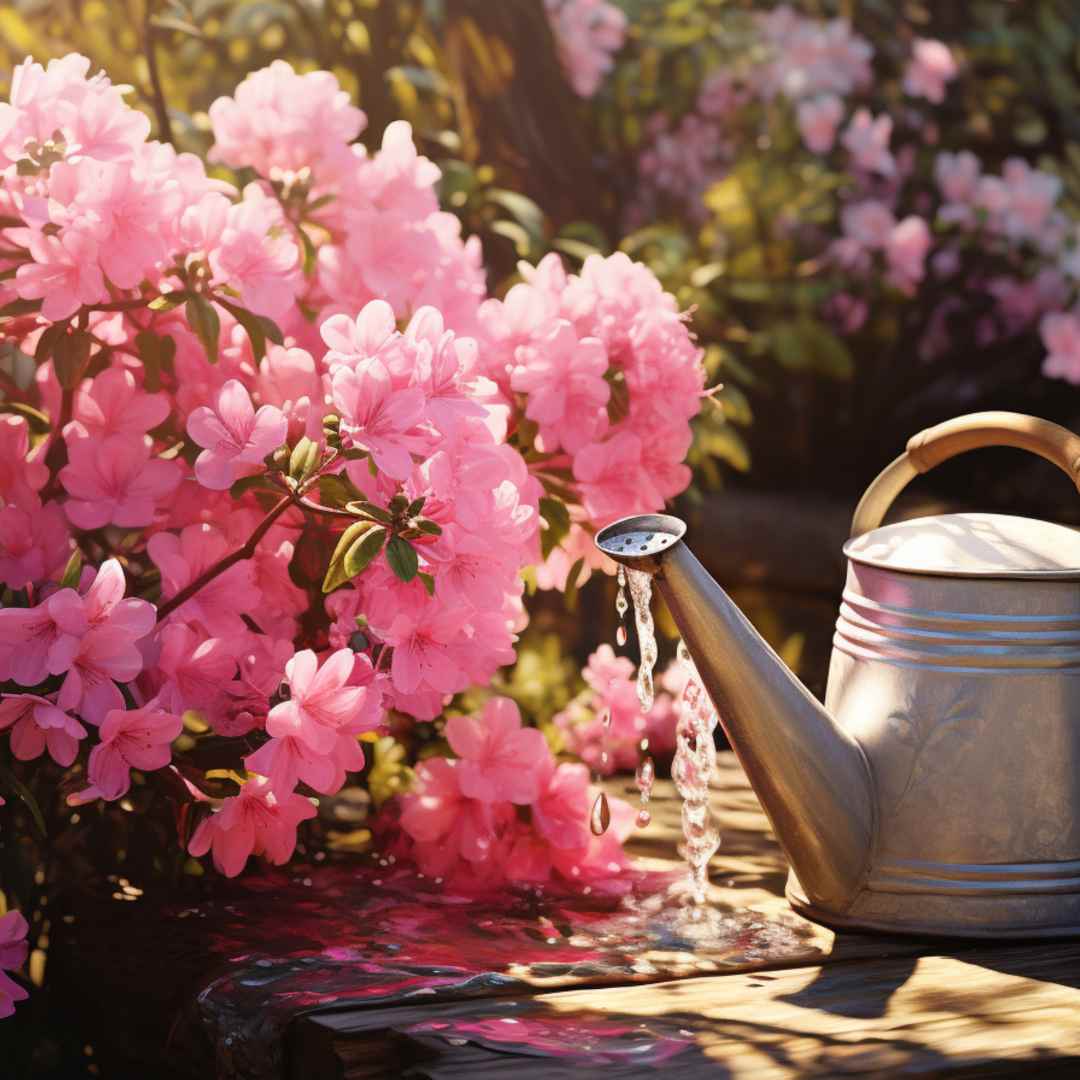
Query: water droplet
643, 818
620, 636
646, 774
600, 818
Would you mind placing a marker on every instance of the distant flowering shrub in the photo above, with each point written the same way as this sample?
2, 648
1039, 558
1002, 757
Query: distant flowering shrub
814, 154
273, 462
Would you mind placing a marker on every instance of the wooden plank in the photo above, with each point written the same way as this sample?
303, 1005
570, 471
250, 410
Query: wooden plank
984, 1012
645, 942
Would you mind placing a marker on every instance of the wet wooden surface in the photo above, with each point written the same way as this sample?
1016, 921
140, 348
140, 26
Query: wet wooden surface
787, 998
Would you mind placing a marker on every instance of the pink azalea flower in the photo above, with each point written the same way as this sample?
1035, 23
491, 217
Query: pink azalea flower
34, 543
113, 404
13, 947
376, 417
130, 739
818, 120
13, 951
444, 823
64, 274
285, 761
906, 250
588, 34
931, 67
869, 223
567, 393
281, 121
218, 606
195, 670
22, 475
1061, 335
36, 725
866, 138
560, 813
322, 705
253, 822
611, 479
114, 481
236, 437
500, 760
424, 644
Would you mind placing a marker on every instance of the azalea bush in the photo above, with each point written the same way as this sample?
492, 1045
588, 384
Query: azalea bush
274, 464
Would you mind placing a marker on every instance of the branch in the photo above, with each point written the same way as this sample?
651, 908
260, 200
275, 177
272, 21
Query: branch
239, 555
161, 109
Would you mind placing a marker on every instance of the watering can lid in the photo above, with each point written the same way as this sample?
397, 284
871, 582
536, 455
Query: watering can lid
972, 545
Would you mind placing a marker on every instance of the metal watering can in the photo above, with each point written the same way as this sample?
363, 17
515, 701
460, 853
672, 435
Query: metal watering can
938, 789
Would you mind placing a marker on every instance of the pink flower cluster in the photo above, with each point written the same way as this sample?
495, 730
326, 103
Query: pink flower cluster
604, 724
809, 57
503, 811
13, 949
414, 402
610, 375
231, 385
588, 33
100, 206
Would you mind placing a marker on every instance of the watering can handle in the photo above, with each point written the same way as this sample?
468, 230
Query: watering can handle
972, 432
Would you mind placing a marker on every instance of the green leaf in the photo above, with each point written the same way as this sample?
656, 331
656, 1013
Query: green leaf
258, 328
19, 307
310, 254
337, 491
428, 582
362, 506
49, 339
401, 556
70, 355
203, 319
557, 517
521, 208
72, 571
19, 789
38, 421
167, 301
363, 550
335, 572
431, 528
157, 354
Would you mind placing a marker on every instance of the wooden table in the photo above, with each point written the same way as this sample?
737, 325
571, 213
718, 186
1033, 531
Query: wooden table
366, 971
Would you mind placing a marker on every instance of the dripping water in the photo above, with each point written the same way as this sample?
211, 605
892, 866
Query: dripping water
600, 818
692, 770
641, 594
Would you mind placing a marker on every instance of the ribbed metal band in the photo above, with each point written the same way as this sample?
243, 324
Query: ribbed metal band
966, 879
956, 641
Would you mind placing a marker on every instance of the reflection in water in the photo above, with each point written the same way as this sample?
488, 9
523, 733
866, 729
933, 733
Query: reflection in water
366, 933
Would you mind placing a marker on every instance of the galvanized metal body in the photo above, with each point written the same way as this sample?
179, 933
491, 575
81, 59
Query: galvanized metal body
964, 695
937, 791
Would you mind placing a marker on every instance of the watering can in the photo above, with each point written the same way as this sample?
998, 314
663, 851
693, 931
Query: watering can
937, 791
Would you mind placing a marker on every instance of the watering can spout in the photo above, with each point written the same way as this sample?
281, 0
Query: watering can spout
811, 776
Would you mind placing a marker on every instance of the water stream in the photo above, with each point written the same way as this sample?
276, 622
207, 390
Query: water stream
695, 753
